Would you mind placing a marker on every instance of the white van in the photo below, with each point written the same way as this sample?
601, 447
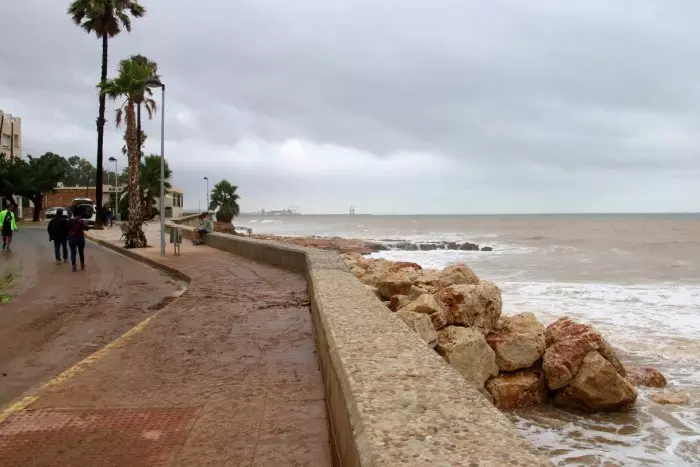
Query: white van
86, 209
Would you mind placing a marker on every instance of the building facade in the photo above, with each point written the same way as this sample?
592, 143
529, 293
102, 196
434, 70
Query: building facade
174, 202
10, 135
11, 143
64, 196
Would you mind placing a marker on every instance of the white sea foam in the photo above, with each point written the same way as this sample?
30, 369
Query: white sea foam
437, 259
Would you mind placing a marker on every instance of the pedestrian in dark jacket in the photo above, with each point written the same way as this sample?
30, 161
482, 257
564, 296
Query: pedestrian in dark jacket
58, 234
76, 240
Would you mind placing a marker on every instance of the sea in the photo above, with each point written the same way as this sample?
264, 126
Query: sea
636, 277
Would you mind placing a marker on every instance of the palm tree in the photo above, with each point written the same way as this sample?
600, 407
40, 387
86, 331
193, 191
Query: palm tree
149, 174
145, 98
150, 183
106, 19
224, 201
129, 84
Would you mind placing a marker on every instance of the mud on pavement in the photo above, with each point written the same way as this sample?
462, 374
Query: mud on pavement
58, 317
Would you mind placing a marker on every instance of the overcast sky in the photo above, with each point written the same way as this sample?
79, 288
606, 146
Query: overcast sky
450, 106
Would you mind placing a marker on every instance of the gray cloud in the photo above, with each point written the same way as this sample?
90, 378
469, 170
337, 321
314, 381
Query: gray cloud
458, 106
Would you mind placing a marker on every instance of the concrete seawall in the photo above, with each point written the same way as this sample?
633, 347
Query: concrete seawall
390, 399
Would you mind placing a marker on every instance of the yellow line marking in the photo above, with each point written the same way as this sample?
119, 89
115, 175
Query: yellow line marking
76, 369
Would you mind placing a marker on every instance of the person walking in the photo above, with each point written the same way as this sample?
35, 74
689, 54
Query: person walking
76, 240
58, 233
9, 225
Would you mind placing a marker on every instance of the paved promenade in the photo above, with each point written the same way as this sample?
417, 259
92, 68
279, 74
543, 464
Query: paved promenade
225, 375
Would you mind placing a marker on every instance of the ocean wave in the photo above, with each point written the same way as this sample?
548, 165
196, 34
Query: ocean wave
438, 259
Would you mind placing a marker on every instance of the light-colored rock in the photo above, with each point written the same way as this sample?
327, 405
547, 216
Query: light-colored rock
401, 266
372, 277
669, 396
519, 342
398, 301
357, 271
568, 342
418, 291
649, 377
596, 386
424, 304
517, 390
466, 350
476, 306
439, 319
420, 323
394, 284
451, 275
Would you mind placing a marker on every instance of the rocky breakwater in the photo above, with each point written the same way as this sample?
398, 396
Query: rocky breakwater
514, 360
364, 247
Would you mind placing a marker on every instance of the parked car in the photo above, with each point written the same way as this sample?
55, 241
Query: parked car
50, 213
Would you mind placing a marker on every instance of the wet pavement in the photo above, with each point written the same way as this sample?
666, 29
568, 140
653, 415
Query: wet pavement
224, 375
56, 317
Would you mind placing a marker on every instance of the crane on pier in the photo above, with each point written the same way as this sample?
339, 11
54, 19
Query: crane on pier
352, 210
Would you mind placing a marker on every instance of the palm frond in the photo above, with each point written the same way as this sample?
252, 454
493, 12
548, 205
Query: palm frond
150, 106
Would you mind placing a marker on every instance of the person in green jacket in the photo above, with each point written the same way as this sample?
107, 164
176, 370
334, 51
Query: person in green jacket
9, 225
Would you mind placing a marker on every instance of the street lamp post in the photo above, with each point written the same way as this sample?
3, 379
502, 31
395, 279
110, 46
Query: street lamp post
207, 198
115, 206
155, 82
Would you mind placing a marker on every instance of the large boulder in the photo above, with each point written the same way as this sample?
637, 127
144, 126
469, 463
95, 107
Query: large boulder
424, 304
451, 275
597, 386
358, 271
401, 266
394, 284
568, 342
418, 291
420, 323
439, 319
398, 301
517, 390
376, 270
466, 349
566, 329
519, 342
476, 306
649, 377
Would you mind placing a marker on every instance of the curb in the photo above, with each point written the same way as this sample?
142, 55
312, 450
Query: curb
171, 271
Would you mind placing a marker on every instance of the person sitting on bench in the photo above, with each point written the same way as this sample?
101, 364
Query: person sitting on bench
205, 226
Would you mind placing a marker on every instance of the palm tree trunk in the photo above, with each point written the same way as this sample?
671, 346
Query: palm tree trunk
135, 237
100, 136
138, 127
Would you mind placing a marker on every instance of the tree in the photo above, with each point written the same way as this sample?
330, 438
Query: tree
12, 172
143, 143
224, 201
150, 183
129, 84
42, 175
145, 97
31, 178
79, 172
106, 19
